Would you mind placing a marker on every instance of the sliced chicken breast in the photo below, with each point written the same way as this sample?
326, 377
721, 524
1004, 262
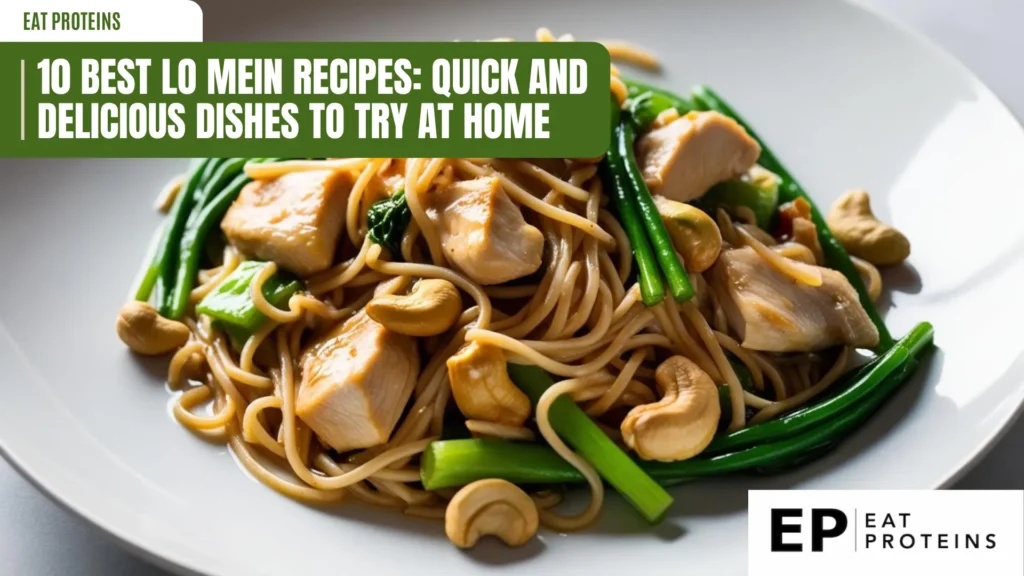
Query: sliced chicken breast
294, 220
483, 232
355, 383
774, 313
682, 160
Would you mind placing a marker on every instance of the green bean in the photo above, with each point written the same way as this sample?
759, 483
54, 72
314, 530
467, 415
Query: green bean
786, 426
580, 432
456, 461
138, 292
168, 245
194, 238
801, 459
652, 291
835, 255
761, 197
636, 88
166, 284
190, 254
646, 107
230, 168
622, 157
725, 404
701, 105
781, 451
878, 396
870, 406
451, 463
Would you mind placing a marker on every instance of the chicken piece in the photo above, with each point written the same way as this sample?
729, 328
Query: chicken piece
392, 178
774, 313
682, 160
483, 233
356, 381
294, 220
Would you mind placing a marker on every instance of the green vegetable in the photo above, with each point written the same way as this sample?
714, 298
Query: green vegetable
725, 403
225, 172
143, 274
237, 335
621, 158
703, 106
453, 425
464, 461
789, 452
613, 173
166, 253
636, 89
451, 463
205, 218
231, 303
190, 246
167, 284
758, 191
809, 433
867, 380
646, 107
193, 239
725, 397
387, 220
615, 113
580, 432
742, 373
801, 459
835, 255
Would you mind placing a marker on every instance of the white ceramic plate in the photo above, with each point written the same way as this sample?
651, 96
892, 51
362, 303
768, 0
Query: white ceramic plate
844, 98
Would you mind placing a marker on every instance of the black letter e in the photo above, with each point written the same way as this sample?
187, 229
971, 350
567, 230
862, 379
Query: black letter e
779, 528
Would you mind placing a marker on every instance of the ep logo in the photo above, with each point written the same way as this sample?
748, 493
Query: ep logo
824, 523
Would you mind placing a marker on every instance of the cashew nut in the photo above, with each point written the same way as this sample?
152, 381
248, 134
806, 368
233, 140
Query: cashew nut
490, 507
862, 234
694, 233
481, 386
429, 309
145, 331
683, 422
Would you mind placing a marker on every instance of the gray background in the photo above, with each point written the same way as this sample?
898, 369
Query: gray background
39, 538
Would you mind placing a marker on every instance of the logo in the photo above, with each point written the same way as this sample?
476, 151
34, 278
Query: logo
836, 532
818, 530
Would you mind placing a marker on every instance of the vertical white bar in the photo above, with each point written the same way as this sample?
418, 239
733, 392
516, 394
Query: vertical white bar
23, 100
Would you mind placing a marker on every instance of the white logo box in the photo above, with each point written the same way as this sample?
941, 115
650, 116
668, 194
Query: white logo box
913, 532
138, 21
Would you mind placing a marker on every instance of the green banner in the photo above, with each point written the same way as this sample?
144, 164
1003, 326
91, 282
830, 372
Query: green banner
304, 100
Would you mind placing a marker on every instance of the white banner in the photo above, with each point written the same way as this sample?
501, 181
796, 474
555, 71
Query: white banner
849, 532
101, 21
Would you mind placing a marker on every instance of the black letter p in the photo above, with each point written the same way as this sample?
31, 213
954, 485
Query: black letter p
818, 532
